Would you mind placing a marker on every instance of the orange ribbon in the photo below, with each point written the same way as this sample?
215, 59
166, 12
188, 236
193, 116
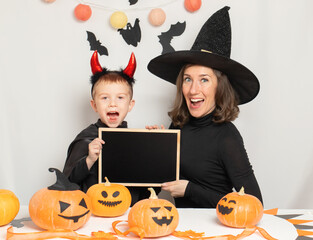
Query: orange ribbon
247, 232
191, 235
100, 235
136, 230
59, 233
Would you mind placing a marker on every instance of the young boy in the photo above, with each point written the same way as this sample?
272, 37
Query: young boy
112, 99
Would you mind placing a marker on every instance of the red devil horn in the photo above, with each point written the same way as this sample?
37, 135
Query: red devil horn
94, 62
131, 67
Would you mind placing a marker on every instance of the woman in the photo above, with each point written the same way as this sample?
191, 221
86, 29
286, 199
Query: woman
210, 86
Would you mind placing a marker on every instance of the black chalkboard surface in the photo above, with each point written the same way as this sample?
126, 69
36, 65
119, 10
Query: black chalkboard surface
139, 157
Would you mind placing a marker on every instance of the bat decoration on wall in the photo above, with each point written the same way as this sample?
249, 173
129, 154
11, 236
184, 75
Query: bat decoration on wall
166, 37
132, 34
132, 2
96, 44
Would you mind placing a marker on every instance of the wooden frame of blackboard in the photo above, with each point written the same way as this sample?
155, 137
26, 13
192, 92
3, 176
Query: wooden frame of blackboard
139, 157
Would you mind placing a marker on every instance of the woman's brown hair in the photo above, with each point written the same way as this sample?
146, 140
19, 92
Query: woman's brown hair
226, 101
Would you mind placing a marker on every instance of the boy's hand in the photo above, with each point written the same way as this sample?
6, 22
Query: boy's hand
94, 151
155, 127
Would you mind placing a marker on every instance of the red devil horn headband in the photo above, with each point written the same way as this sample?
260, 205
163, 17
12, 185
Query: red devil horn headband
94, 62
129, 70
131, 67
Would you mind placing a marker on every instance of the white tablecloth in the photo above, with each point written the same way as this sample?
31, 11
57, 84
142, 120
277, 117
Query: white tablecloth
198, 220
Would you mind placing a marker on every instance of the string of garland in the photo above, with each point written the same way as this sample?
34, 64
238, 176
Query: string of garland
131, 8
118, 19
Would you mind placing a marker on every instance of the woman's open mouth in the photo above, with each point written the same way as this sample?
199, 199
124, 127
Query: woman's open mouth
196, 102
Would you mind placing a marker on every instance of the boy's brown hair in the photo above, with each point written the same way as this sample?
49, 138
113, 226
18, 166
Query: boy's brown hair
103, 74
113, 77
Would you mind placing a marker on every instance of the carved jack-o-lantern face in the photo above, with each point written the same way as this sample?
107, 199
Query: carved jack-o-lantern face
162, 215
64, 206
109, 199
226, 206
239, 210
156, 217
60, 206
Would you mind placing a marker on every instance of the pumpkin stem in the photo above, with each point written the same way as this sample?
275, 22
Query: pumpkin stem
107, 183
153, 194
242, 191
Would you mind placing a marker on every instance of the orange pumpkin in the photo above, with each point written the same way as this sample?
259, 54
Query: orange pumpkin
60, 206
156, 217
9, 206
109, 199
239, 210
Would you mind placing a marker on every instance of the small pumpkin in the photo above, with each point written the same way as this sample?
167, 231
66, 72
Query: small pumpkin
239, 210
156, 217
60, 206
109, 199
9, 206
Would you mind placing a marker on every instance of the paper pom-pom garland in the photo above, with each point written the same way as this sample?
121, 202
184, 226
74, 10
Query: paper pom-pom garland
157, 17
118, 20
82, 12
192, 5
9, 206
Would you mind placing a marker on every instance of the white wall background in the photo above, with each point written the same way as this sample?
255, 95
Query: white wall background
45, 91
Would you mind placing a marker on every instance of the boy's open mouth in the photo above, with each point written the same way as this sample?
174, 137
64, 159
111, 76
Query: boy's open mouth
113, 115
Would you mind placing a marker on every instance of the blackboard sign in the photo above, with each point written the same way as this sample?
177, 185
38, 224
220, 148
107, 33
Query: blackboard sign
139, 157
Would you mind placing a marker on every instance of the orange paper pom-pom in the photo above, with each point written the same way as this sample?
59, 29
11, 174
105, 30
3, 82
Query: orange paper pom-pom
157, 17
82, 12
192, 5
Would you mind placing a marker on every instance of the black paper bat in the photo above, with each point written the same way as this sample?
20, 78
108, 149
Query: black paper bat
18, 223
96, 44
166, 37
131, 35
132, 2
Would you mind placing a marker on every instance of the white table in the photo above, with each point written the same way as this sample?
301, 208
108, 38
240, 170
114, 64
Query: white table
198, 220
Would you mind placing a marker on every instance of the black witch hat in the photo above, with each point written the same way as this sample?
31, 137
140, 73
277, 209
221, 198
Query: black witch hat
211, 48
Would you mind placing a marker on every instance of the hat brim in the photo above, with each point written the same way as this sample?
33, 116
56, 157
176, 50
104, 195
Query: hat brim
245, 83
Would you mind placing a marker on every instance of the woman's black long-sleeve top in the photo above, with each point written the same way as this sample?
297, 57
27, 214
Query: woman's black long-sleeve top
214, 161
